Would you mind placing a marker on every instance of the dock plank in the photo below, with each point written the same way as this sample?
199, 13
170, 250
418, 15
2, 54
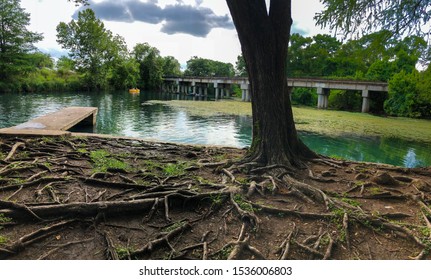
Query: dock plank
56, 123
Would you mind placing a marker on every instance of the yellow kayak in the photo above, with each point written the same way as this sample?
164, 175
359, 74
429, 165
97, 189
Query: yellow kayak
134, 90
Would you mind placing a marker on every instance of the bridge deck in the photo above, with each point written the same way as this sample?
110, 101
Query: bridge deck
55, 123
292, 82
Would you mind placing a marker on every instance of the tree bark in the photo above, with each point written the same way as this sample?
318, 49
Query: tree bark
264, 36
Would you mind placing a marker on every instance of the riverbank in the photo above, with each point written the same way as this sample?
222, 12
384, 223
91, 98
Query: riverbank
334, 123
109, 198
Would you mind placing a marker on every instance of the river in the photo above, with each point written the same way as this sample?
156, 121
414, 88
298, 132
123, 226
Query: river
124, 114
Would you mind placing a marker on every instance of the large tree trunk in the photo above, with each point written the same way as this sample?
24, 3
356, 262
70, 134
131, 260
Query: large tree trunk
264, 38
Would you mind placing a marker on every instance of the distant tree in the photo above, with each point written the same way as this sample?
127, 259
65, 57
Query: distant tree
410, 95
15, 39
240, 67
308, 57
150, 65
171, 66
125, 74
40, 60
197, 66
65, 63
93, 48
402, 94
201, 67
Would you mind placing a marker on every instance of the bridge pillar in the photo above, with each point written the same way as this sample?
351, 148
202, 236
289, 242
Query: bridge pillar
322, 97
194, 87
245, 88
365, 101
206, 90
289, 91
216, 90
227, 92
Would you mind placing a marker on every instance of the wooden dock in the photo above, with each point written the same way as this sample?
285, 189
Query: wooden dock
56, 123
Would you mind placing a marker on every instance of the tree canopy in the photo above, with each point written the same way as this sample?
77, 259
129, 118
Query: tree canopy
16, 41
366, 16
371, 57
197, 66
92, 46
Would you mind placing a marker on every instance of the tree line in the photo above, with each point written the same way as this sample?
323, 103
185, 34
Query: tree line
97, 60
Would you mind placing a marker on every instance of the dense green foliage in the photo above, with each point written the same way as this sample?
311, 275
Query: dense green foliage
410, 95
16, 42
372, 57
97, 58
94, 49
365, 16
202, 67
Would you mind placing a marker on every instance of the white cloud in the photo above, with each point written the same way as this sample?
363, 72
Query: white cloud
220, 42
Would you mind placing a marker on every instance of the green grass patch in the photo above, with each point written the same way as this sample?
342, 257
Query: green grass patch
216, 199
224, 253
123, 252
350, 201
82, 150
4, 219
103, 161
243, 204
174, 169
3, 240
425, 231
174, 226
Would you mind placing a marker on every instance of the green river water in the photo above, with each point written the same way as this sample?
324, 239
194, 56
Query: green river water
124, 114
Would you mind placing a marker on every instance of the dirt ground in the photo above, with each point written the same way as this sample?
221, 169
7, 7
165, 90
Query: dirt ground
99, 198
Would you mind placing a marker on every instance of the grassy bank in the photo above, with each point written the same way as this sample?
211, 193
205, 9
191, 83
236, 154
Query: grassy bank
322, 121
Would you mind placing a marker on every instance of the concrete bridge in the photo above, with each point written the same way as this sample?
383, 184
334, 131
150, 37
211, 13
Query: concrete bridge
222, 87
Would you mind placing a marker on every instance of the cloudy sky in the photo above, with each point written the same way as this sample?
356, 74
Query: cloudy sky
180, 28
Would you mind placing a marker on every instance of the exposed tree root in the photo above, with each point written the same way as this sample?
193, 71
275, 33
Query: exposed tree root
34, 183
14, 148
285, 246
164, 240
33, 237
111, 253
242, 245
77, 209
60, 247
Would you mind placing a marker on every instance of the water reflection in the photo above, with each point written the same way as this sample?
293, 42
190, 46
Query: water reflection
382, 150
126, 114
